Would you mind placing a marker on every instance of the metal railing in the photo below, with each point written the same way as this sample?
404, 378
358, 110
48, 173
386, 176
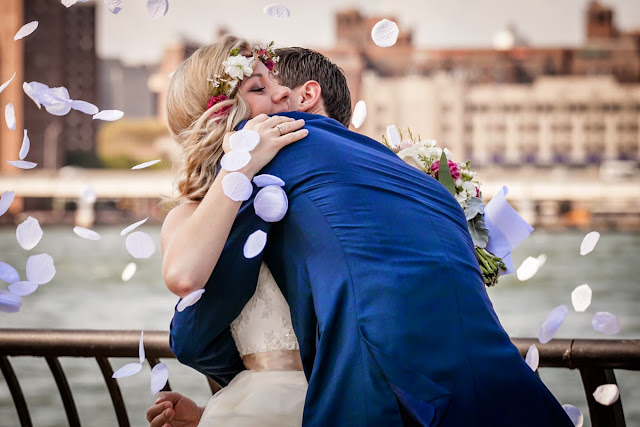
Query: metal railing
595, 360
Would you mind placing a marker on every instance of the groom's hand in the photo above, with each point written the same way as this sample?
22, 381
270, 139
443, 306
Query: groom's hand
174, 410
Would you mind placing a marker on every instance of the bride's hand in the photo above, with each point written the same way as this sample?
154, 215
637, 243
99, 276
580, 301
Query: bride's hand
275, 133
175, 410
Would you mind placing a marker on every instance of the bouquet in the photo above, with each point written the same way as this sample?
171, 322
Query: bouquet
458, 178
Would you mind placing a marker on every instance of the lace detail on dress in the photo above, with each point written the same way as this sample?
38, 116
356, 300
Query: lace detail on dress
265, 322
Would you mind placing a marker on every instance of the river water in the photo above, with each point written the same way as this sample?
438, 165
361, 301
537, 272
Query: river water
88, 293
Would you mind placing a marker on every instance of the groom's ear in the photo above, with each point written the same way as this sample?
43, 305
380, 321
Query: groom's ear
309, 96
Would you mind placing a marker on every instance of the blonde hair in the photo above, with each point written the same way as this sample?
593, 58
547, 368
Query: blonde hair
192, 125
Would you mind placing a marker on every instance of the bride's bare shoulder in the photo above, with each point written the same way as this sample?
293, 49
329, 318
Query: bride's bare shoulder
177, 216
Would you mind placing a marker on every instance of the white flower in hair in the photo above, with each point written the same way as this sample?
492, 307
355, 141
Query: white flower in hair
238, 67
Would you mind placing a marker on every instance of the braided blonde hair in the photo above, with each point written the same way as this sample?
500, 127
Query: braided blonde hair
197, 129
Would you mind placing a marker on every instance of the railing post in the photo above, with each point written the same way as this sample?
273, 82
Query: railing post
601, 415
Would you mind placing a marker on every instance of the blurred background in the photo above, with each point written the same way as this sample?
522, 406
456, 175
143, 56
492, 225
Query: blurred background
543, 97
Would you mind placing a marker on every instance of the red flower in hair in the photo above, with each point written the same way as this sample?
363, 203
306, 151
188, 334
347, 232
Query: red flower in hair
215, 100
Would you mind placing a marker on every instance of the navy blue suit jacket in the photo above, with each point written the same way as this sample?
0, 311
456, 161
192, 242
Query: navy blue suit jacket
386, 297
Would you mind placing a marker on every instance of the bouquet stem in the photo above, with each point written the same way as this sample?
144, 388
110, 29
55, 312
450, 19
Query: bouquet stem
490, 265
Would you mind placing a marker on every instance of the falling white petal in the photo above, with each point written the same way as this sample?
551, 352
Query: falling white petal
22, 164
31, 93
574, 414
23, 288
127, 370
84, 107
29, 233
157, 8
606, 323
146, 164
133, 226
190, 299
359, 114
5, 201
159, 377
254, 244
234, 160
533, 357
58, 94
581, 297
542, 258
385, 33
10, 116
589, 242
26, 145
108, 115
237, 187
393, 136
69, 3
9, 303
528, 268
141, 354
140, 245
5, 84
85, 233
8, 273
552, 323
40, 269
58, 108
266, 179
606, 394
244, 140
129, 271
88, 194
271, 203
277, 11
26, 30
114, 6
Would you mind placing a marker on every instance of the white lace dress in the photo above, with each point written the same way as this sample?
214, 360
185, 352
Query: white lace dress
272, 390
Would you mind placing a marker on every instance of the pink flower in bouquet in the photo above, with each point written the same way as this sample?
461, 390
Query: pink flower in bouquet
453, 168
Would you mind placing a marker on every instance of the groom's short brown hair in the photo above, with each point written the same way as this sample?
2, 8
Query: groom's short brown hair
298, 65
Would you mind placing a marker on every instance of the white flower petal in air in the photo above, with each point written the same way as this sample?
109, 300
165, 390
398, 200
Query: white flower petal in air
5, 84
40, 269
542, 258
58, 108
190, 299
157, 8
31, 93
22, 164
26, 30
393, 136
574, 414
133, 226
244, 140
10, 116
606, 394
129, 271
146, 164
23, 288
234, 160
84, 107
237, 187
159, 377
359, 114
29, 233
277, 11
8, 273
69, 3
254, 244
533, 357
9, 303
26, 145
109, 115
127, 370
581, 297
552, 323
267, 179
141, 353
5, 201
114, 6
140, 245
606, 323
589, 242
271, 203
527, 269
385, 33
85, 233
88, 194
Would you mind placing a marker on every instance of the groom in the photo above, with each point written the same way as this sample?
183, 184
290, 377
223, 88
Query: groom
386, 296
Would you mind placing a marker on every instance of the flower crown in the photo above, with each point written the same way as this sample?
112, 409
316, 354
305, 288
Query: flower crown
237, 67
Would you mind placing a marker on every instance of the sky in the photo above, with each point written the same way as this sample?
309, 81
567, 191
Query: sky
136, 38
